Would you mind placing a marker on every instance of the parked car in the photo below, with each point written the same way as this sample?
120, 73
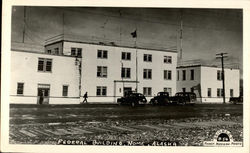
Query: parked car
132, 99
236, 100
162, 98
183, 98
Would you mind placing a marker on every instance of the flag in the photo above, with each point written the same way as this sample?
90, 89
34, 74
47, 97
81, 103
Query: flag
134, 34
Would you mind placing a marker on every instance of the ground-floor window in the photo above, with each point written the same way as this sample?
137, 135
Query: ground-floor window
231, 92
20, 87
219, 92
101, 91
209, 91
65, 90
147, 91
183, 89
192, 89
169, 90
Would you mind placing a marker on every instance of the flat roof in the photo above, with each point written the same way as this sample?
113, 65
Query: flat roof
201, 65
111, 43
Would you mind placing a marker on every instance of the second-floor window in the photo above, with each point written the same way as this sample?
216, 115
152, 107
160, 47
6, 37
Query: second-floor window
167, 74
183, 74
169, 90
44, 64
219, 75
147, 73
126, 55
191, 74
76, 52
102, 54
125, 73
147, 58
102, 71
168, 59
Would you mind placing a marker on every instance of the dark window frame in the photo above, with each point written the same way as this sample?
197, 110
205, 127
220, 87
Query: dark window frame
45, 65
102, 72
147, 73
167, 59
147, 57
20, 88
101, 91
126, 56
65, 91
126, 73
102, 54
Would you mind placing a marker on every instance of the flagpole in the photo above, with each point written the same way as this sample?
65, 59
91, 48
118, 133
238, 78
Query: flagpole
136, 60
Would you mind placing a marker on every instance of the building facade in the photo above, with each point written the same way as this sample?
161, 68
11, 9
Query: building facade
68, 69
206, 82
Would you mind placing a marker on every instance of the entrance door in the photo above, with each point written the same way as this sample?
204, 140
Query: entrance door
43, 94
126, 90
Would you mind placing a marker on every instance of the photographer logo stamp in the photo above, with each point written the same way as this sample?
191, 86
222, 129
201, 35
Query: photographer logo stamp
222, 138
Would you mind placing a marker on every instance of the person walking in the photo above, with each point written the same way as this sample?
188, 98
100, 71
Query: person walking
85, 96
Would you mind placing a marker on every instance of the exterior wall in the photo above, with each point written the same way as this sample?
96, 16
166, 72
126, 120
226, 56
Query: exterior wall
188, 83
209, 80
114, 63
24, 68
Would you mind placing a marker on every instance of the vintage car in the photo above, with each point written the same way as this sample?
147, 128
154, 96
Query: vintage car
132, 99
183, 98
162, 98
236, 100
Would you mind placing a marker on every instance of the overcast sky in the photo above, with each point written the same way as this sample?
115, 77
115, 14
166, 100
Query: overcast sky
205, 31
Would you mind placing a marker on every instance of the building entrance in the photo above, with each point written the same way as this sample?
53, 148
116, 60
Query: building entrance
127, 90
43, 92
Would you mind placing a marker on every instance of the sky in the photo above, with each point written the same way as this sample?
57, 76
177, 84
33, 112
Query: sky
205, 31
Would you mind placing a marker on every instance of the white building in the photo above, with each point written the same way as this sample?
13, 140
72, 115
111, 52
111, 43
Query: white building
206, 82
69, 68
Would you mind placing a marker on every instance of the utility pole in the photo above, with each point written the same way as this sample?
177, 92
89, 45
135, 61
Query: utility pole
222, 56
24, 22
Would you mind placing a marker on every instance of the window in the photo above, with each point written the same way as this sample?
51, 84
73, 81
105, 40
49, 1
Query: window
231, 92
183, 74
191, 74
20, 88
183, 89
44, 64
126, 56
219, 92
168, 59
147, 91
125, 73
178, 77
101, 91
209, 92
192, 89
56, 51
169, 90
147, 58
65, 90
219, 75
167, 74
76, 52
102, 54
49, 51
147, 73
102, 71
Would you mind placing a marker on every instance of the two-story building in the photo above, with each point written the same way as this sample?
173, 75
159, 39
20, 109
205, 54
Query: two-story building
206, 82
68, 68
